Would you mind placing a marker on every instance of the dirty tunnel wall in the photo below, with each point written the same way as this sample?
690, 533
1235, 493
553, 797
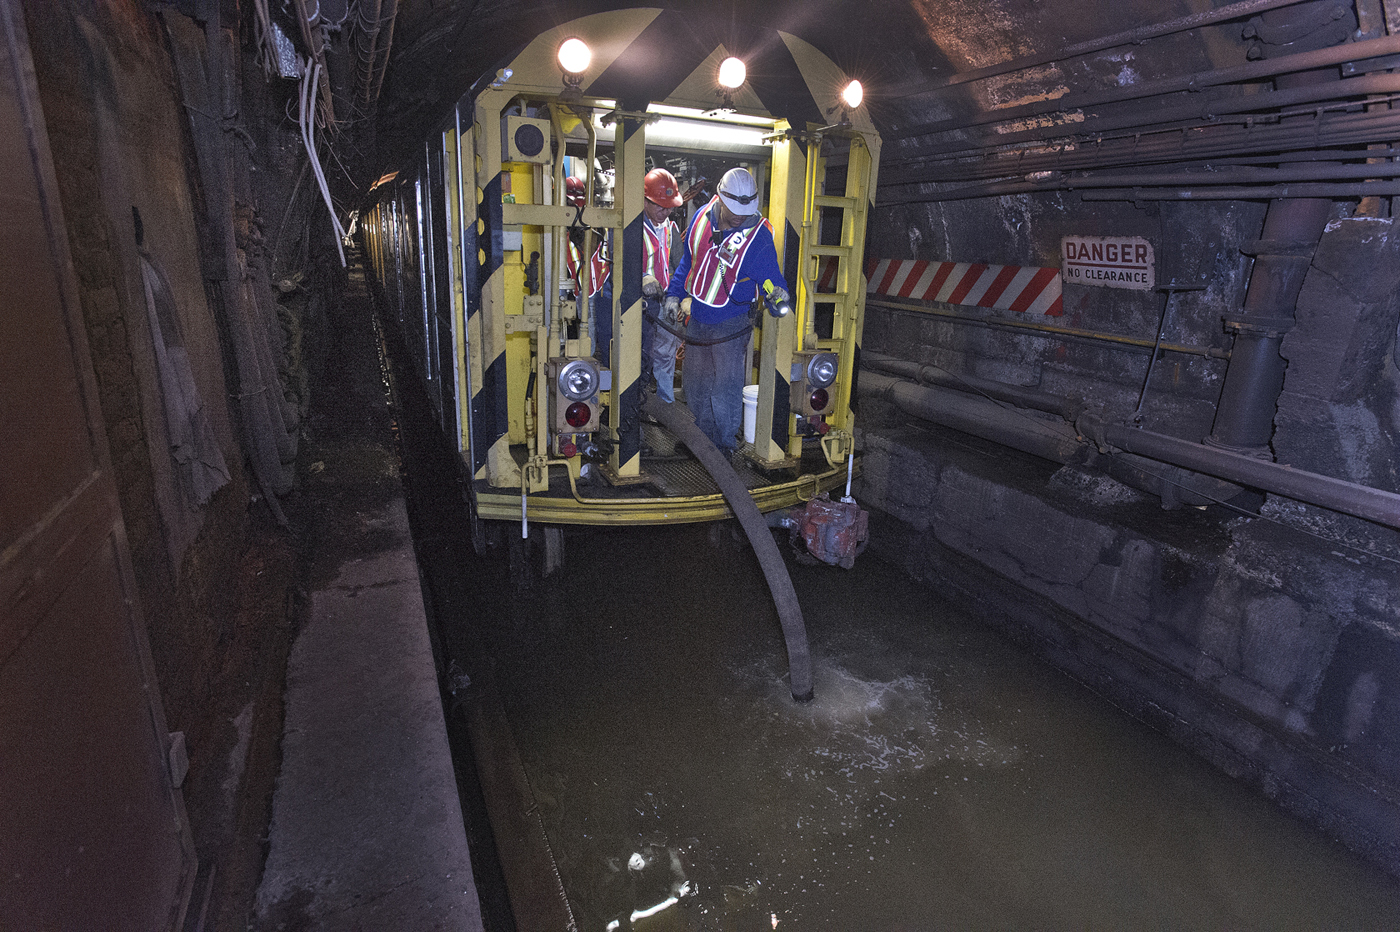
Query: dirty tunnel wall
124, 92
1264, 637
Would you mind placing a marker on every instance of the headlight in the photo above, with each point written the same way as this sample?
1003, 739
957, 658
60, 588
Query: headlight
578, 380
821, 370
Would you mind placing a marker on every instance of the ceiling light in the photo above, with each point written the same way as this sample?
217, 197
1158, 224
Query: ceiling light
732, 73
574, 55
853, 94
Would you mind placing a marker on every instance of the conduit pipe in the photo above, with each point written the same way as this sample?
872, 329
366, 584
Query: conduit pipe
1212, 142
1131, 37
1156, 119
388, 15
1223, 140
1054, 440
677, 419
1244, 416
1254, 71
366, 44
929, 309
1350, 498
1216, 143
1314, 171
1021, 397
1202, 179
1060, 442
1257, 193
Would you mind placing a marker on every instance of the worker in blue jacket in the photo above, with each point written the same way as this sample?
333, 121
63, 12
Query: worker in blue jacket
728, 255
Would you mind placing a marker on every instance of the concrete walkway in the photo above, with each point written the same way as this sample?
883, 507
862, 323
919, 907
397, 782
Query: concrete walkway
367, 830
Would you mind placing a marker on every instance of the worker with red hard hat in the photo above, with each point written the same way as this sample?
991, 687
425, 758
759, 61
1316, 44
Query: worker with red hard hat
574, 191
727, 262
659, 233
659, 347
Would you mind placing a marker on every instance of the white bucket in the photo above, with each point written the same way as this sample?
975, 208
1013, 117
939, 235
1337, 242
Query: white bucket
750, 411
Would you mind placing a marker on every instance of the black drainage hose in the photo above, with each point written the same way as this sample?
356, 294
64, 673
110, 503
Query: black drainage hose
677, 419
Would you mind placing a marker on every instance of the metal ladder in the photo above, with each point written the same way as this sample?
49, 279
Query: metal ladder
848, 298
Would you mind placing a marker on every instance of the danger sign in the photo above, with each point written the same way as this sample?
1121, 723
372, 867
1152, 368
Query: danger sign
1107, 261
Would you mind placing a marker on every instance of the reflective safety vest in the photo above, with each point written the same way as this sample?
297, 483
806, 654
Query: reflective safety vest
657, 247
574, 261
714, 267
601, 267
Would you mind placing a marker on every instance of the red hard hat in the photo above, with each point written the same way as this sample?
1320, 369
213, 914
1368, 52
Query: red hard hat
574, 191
661, 188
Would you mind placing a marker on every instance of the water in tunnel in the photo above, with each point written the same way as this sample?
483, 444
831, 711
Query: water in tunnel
942, 778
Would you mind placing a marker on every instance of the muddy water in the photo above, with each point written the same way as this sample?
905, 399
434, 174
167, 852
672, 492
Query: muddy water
942, 778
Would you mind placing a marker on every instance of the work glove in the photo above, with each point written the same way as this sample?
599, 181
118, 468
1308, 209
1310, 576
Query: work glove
650, 286
778, 300
672, 308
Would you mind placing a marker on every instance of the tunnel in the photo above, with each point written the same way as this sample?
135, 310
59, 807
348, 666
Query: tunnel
353, 576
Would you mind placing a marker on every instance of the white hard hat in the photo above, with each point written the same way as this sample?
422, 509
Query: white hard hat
739, 192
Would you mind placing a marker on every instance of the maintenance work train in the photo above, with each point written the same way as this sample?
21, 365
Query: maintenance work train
491, 248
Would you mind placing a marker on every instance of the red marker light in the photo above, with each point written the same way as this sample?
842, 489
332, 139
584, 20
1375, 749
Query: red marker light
568, 450
819, 399
578, 414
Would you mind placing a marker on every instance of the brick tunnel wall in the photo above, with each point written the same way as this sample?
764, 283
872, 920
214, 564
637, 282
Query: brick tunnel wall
1271, 645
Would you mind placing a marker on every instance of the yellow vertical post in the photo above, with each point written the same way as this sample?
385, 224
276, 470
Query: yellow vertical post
466, 321
491, 402
809, 253
625, 359
773, 417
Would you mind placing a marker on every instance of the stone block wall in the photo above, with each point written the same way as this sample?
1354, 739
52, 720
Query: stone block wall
1340, 409
1272, 654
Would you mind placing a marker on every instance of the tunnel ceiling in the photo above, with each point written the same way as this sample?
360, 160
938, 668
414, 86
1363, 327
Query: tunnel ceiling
440, 49
903, 50
973, 98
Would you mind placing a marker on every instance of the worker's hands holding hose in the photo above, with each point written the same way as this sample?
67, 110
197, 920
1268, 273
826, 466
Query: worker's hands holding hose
674, 313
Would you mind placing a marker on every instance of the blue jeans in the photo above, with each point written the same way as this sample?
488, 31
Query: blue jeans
600, 308
659, 347
714, 380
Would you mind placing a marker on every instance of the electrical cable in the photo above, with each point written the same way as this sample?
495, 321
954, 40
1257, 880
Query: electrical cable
306, 120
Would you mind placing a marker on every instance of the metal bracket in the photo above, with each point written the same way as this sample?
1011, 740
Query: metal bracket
536, 474
1171, 288
612, 116
837, 445
528, 321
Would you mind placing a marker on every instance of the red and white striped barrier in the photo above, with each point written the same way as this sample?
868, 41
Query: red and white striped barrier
1024, 289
